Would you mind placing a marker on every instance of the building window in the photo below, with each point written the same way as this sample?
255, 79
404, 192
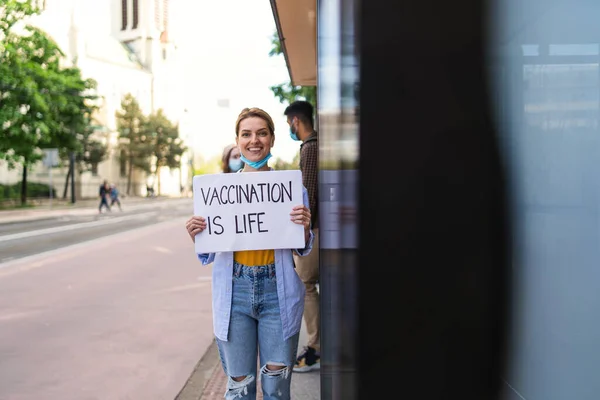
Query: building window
136, 13
124, 14
165, 15
165, 18
157, 14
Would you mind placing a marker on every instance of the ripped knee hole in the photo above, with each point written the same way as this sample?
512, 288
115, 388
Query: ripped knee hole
276, 369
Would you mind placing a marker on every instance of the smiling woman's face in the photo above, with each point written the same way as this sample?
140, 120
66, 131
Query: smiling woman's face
254, 138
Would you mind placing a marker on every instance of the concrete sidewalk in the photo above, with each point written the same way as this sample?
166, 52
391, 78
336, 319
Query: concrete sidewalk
208, 381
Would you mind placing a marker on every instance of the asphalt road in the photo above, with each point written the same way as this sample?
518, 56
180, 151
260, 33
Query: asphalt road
24, 238
117, 309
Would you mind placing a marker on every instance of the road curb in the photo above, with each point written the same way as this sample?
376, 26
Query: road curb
194, 386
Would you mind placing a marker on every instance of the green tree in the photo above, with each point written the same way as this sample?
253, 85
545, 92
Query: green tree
175, 154
210, 166
281, 164
136, 146
286, 92
40, 101
167, 146
73, 131
14, 11
23, 103
296, 161
92, 150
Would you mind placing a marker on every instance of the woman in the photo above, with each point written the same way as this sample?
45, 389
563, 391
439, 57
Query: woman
231, 162
258, 299
114, 196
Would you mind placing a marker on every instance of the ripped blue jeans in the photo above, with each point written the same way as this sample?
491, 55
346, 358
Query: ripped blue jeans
256, 325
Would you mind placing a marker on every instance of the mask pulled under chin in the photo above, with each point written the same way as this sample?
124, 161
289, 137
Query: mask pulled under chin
256, 164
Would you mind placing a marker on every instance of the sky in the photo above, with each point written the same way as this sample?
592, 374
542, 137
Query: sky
224, 47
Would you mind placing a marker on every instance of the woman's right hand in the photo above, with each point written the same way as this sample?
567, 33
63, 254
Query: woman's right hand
194, 226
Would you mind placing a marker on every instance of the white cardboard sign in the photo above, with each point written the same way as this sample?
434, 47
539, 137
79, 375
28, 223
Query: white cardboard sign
248, 211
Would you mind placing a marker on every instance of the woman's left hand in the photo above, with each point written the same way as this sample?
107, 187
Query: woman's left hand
301, 215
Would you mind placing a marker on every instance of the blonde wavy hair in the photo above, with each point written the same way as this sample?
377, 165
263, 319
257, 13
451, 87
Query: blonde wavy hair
255, 112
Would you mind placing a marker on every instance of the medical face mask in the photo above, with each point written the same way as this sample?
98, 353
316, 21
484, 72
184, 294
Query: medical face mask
255, 164
293, 134
235, 164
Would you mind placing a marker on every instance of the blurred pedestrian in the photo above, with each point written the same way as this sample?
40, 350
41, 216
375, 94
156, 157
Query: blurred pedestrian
300, 119
114, 196
231, 161
258, 297
103, 192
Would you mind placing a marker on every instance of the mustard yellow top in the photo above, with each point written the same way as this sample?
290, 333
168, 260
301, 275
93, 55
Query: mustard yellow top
254, 258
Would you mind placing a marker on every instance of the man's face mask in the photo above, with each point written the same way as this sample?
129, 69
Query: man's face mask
293, 135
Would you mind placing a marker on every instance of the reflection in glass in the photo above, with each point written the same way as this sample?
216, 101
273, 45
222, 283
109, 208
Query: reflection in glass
546, 80
338, 141
573, 49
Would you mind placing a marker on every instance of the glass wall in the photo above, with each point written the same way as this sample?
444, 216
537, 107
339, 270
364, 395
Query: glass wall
546, 77
338, 141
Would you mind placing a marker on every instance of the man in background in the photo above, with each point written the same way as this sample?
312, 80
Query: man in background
103, 192
300, 119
